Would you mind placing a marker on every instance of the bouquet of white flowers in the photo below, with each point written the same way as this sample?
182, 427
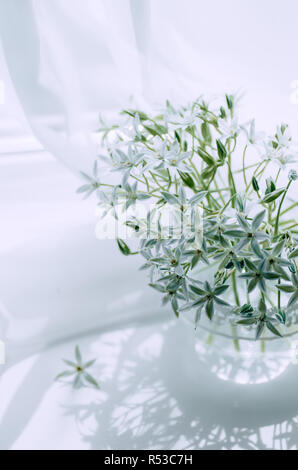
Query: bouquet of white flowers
235, 218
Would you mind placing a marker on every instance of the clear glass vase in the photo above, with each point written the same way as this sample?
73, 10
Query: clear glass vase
232, 353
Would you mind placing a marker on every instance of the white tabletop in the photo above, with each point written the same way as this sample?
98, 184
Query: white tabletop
155, 394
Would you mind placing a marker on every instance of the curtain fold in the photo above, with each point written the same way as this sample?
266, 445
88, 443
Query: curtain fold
70, 61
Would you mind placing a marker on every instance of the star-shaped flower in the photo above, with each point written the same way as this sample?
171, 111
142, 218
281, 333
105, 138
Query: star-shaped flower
78, 371
257, 276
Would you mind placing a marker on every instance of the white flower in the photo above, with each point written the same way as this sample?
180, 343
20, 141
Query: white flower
253, 138
279, 149
282, 138
229, 127
293, 175
285, 159
168, 158
278, 155
108, 202
126, 160
183, 118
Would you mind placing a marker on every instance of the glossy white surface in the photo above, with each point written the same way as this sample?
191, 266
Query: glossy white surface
154, 394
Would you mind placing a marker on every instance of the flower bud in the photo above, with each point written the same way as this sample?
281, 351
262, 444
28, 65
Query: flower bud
293, 175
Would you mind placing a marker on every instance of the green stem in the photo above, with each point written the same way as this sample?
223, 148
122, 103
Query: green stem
234, 283
263, 346
233, 188
243, 164
279, 208
235, 340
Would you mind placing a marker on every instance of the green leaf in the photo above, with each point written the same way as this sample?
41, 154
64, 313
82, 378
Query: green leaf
206, 132
125, 250
247, 321
158, 287
178, 138
257, 221
281, 317
153, 131
247, 308
271, 276
286, 288
278, 248
293, 299
220, 289
210, 309
256, 248
255, 184
133, 113
242, 222
260, 329
197, 290
174, 304
273, 330
208, 172
235, 233
199, 302
223, 113
170, 198
198, 317
221, 302
252, 285
247, 275
270, 185
262, 306
272, 196
187, 179
221, 150
198, 197
294, 254
251, 266
206, 157
230, 101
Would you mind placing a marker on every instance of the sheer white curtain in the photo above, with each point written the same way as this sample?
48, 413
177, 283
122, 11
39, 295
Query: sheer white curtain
71, 60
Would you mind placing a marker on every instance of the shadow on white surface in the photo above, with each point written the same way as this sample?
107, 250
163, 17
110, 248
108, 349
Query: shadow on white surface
155, 394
